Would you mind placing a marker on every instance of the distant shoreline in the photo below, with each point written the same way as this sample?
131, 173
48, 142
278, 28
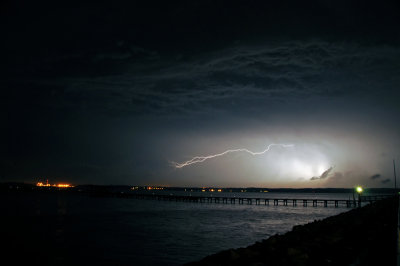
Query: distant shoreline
113, 188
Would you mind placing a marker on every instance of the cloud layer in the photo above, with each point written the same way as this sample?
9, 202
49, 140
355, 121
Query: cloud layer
242, 80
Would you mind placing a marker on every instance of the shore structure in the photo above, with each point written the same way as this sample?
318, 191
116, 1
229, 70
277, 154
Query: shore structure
361, 236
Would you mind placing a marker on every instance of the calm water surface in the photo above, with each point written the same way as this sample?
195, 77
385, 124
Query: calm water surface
66, 229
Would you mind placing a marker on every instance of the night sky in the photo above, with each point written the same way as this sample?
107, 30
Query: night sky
113, 93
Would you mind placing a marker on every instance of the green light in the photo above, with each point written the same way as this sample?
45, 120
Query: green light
359, 189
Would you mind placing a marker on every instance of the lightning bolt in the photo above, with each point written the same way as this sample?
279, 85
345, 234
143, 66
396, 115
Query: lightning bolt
200, 159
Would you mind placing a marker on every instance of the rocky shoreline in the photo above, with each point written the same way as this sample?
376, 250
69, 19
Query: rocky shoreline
362, 236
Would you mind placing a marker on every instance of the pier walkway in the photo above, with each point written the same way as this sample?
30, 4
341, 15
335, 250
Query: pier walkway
259, 201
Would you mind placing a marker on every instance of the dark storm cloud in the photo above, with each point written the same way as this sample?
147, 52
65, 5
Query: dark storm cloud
243, 77
324, 175
40, 31
93, 25
159, 58
376, 176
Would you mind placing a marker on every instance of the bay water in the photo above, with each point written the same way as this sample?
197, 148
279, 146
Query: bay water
70, 229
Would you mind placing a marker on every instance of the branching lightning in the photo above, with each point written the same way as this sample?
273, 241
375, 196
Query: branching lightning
200, 159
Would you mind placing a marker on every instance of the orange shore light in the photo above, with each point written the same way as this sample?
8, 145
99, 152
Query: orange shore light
63, 185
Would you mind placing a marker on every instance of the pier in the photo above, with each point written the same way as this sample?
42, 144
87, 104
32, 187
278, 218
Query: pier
304, 202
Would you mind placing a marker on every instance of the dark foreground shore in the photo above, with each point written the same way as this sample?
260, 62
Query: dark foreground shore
362, 236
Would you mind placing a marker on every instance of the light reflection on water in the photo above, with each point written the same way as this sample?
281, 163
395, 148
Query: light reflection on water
104, 231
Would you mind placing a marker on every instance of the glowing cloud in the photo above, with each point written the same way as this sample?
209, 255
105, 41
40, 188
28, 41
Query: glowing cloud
200, 159
324, 175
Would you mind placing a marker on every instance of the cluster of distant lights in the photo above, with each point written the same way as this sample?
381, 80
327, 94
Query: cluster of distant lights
212, 190
203, 189
358, 189
221, 190
41, 184
148, 188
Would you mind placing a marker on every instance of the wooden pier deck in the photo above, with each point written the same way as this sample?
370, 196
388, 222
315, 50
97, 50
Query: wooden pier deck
259, 201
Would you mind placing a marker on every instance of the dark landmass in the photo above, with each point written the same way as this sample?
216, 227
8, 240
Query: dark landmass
362, 236
125, 188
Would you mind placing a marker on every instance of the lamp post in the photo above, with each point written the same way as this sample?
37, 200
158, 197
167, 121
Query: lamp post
394, 174
359, 190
